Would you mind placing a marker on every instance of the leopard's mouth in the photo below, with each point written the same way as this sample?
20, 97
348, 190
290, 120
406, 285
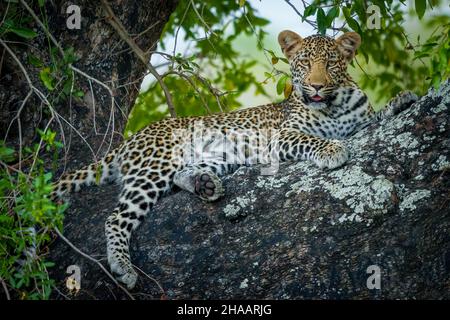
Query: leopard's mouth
317, 98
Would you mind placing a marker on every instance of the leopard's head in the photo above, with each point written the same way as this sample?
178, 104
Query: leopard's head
318, 64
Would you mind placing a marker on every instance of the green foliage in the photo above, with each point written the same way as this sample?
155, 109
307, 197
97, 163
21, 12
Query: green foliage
421, 6
388, 59
54, 71
27, 218
213, 75
17, 24
57, 76
395, 62
27, 214
437, 49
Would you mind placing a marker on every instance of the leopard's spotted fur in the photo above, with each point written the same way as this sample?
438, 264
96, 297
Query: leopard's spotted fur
325, 107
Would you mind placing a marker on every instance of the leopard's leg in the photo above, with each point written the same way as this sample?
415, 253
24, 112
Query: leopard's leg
203, 180
140, 192
397, 104
294, 145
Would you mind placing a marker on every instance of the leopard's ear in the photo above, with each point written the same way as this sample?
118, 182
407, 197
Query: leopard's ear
290, 42
348, 43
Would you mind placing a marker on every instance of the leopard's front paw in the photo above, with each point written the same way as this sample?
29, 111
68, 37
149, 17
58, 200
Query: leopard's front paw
401, 102
122, 269
333, 155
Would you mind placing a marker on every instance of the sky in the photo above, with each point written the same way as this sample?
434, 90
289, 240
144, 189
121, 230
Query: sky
281, 16
278, 12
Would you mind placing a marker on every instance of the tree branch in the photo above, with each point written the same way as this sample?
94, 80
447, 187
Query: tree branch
118, 26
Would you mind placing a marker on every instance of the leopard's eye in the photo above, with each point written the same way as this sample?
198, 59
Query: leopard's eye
304, 62
331, 63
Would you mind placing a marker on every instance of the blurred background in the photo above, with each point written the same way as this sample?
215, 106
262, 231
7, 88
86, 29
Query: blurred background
221, 55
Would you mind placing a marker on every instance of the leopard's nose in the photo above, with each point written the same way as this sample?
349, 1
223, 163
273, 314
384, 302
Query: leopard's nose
317, 86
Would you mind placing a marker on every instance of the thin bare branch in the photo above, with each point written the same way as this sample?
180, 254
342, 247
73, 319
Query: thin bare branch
208, 28
189, 80
178, 30
117, 25
5, 288
151, 278
43, 27
146, 30
19, 64
95, 261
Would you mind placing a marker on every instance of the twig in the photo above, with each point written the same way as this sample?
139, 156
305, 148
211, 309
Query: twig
25, 73
178, 30
95, 261
310, 22
5, 288
151, 278
59, 291
189, 80
39, 94
117, 25
364, 71
146, 30
208, 28
17, 117
43, 27
6, 14
110, 91
405, 36
56, 43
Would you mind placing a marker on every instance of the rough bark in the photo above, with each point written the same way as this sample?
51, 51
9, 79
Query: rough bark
102, 55
303, 233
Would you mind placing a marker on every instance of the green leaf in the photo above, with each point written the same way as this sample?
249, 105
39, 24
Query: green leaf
45, 76
6, 154
419, 55
359, 8
322, 22
309, 11
420, 5
35, 61
436, 81
98, 173
48, 175
281, 83
443, 61
268, 75
332, 14
352, 23
79, 94
24, 32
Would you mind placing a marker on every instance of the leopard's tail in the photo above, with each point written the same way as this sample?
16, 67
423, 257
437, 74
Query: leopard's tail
106, 169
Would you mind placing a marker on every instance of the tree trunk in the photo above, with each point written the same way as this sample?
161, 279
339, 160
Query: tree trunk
303, 233
95, 125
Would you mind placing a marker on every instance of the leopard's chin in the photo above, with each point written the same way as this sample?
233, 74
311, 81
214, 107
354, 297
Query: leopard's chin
317, 105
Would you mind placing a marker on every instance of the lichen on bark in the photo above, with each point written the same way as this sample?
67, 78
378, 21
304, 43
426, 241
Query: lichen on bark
302, 233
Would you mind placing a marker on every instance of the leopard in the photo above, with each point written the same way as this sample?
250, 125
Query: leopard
325, 107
